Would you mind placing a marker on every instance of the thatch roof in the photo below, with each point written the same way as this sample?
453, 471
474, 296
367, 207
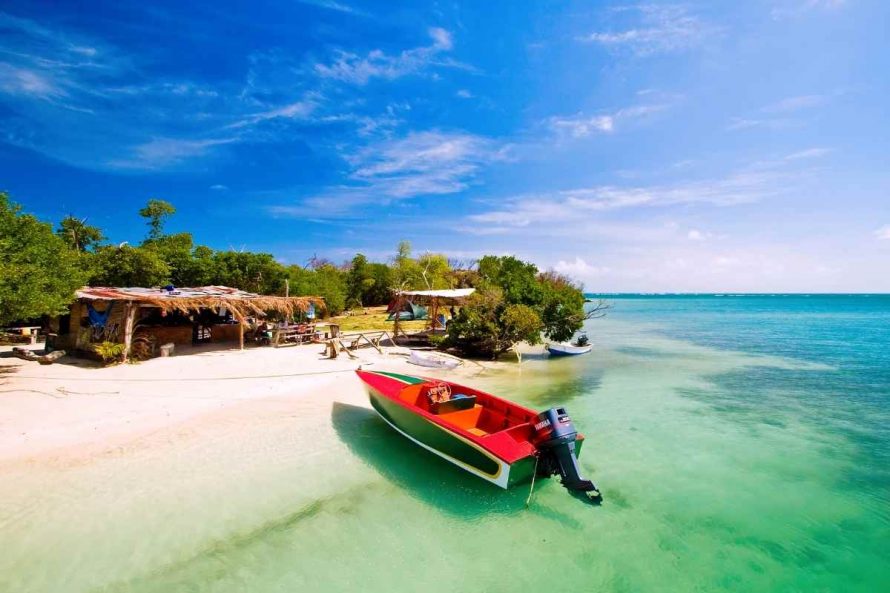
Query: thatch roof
187, 300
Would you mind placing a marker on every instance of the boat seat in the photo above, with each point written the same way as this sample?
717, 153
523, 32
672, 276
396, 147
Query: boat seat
455, 404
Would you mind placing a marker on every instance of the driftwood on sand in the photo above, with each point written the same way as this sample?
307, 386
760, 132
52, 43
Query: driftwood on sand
26, 354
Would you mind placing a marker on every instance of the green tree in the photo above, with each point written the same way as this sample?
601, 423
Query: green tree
435, 271
326, 281
562, 307
380, 292
489, 326
128, 266
406, 273
78, 235
156, 212
358, 281
176, 252
255, 272
517, 278
38, 272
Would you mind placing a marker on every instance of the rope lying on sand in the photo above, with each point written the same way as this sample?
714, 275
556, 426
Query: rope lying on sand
181, 379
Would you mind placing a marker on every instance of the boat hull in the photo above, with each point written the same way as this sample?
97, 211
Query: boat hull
433, 360
568, 349
450, 446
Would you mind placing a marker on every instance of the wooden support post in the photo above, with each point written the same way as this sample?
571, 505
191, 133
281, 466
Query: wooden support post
129, 319
241, 334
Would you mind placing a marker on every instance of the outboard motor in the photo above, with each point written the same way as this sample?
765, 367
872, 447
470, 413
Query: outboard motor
555, 437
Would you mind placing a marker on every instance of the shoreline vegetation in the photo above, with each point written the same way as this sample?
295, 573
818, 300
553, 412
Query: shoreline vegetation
513, 301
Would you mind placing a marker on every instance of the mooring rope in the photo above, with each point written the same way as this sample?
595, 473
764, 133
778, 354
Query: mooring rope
181, 379
532, 489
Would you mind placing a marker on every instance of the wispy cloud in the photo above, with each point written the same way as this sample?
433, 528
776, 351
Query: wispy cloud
809, 153
581, 126
335, 6
795, 8
658, 29
578, 205
421, 163
883, 233
163, 152
791, 104
747, 123
782, 114
357, 69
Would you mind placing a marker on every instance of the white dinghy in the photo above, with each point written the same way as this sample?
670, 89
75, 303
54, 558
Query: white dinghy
435, 360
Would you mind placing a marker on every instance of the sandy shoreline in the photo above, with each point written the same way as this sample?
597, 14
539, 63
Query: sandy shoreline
69, 412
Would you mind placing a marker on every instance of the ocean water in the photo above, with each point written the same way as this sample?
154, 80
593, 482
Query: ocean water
740, 442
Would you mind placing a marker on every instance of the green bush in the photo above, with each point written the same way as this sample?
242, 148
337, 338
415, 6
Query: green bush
488, 326
110, 352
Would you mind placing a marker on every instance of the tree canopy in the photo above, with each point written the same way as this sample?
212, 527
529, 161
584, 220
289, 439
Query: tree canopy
77, 234
38, 271
156, 212
515, 303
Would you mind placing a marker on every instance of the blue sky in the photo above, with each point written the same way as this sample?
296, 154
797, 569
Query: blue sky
702, 146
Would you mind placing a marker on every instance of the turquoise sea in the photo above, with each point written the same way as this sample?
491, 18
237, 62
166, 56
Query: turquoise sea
742, 443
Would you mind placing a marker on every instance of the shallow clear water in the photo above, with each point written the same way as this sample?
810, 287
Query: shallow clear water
741, 444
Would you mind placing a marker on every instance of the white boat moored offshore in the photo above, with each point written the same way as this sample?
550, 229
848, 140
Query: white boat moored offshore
563, 349
581, 345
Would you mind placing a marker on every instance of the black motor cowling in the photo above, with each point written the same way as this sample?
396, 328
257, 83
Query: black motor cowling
555, 437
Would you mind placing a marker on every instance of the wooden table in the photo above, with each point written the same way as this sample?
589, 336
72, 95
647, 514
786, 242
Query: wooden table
28, 331
296, 334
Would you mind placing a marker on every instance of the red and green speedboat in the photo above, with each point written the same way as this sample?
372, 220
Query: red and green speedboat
490, 437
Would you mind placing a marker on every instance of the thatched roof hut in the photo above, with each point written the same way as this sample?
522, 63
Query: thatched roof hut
112, 312
188, 300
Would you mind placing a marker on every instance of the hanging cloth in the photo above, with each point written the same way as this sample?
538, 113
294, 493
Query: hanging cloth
310, 314
98, 318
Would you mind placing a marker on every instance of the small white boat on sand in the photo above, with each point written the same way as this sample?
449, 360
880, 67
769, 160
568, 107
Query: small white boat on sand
580, 346
436, 360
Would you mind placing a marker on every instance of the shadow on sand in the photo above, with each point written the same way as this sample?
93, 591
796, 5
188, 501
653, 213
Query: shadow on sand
429, 478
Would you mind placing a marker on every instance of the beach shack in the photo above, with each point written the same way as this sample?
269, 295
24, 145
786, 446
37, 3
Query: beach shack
435, 301
144, 319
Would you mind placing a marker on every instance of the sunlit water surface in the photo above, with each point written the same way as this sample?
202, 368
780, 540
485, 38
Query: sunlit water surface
741, 444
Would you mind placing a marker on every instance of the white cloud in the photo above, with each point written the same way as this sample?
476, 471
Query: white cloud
580, 269
791, 104
776, 123
661, 29
164, 152
25, 81
697, 235
883, 233
464, 94
331, 5
582, 126
420, 163
356, 69
809, 153
219, 187
795, 8
297, 110
577, 205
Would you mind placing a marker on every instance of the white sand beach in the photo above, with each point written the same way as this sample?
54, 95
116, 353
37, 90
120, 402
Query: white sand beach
70, 411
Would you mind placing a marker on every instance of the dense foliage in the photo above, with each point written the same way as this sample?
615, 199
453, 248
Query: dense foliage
489, 326
40, 270
515, 303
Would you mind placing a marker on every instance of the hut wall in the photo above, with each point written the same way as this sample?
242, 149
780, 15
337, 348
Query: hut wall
182, 334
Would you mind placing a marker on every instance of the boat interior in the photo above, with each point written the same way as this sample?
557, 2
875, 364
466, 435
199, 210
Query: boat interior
476, 412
